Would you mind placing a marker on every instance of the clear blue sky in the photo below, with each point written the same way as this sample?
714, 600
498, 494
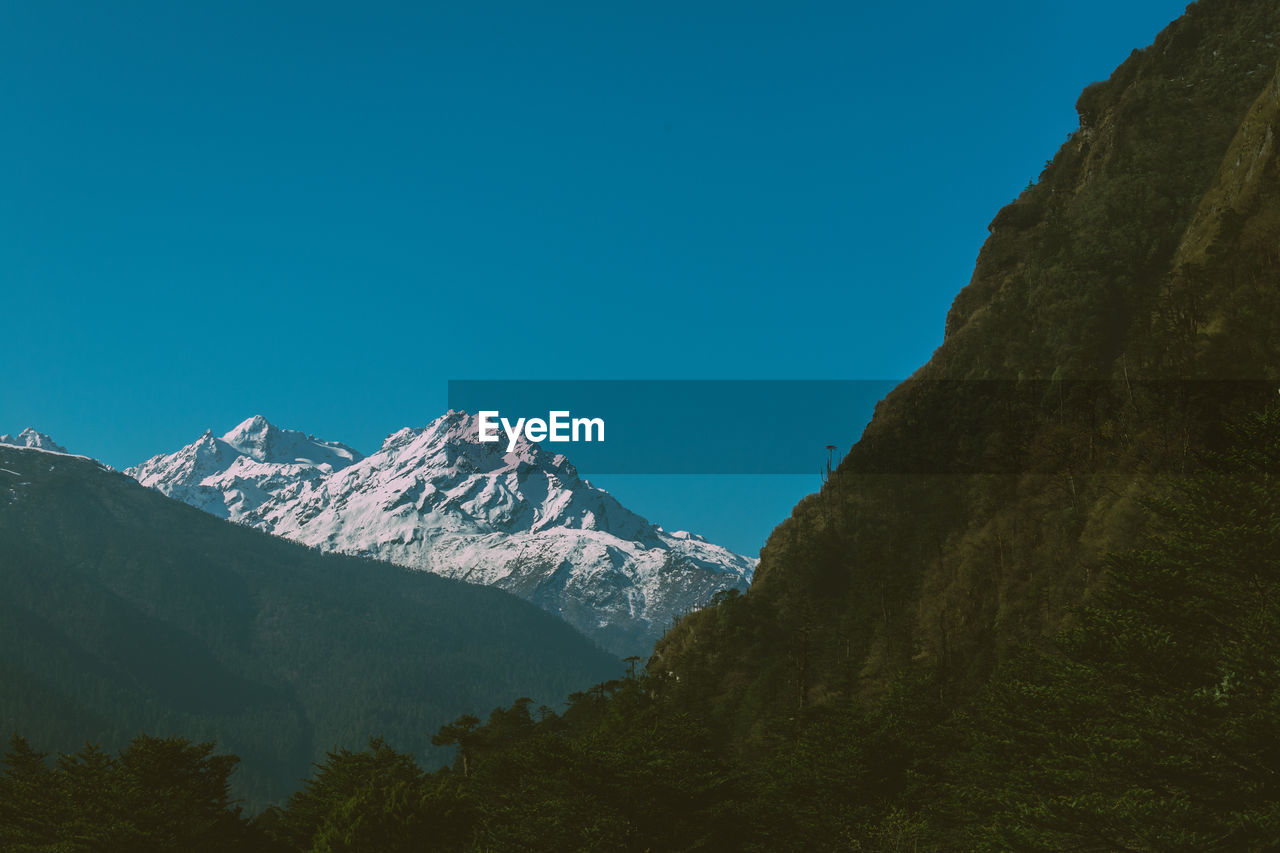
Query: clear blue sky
321, 212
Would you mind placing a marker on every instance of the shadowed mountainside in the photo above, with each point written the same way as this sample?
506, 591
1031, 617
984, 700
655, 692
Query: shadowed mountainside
124, 611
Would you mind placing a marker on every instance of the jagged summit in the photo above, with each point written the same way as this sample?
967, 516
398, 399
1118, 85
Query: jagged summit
32, 439
231, 475
462, 429
436, 498
254, 429
262, 441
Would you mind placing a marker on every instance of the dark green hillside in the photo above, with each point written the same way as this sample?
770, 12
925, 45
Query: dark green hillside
1082, 367
122, 611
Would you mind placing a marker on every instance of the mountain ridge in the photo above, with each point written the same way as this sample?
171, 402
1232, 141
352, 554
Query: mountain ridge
122, 610
32, 439
437, 499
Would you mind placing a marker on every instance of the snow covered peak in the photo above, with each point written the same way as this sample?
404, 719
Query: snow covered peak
456, 424
460, 428
440, 500
262, 441
30, 438
400, 438
233, 475
250, 431
452, 443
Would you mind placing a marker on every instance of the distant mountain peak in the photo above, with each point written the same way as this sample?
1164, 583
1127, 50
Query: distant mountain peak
232, 475
263, 441
32, 439
455, 435
438, 499
254, 429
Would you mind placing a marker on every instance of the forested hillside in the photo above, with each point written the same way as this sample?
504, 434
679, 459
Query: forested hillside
1086, 363
123, 611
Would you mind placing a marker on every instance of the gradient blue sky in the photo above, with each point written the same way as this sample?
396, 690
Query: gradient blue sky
321, 212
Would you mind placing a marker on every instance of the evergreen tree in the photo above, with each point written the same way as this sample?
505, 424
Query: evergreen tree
27, 809
378, 801
159, 794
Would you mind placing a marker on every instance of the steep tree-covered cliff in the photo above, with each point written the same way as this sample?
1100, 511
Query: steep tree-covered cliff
1123, 308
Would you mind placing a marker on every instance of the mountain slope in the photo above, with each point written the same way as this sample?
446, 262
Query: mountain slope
439, 500
1124, 307
126, 611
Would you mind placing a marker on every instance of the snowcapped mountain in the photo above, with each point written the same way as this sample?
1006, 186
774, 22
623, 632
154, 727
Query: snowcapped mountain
30, 438
439, 500
234, 475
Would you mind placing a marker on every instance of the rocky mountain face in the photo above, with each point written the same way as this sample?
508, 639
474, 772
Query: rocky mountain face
439, 500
